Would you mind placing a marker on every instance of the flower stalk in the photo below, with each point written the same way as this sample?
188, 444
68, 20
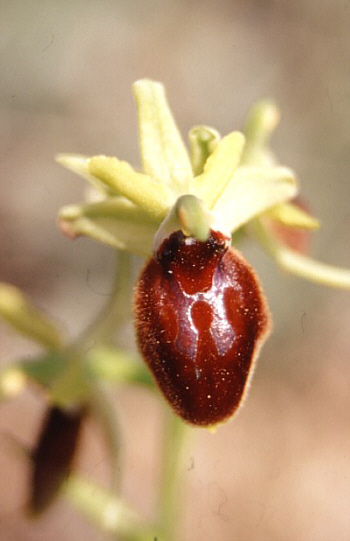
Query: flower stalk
170, 493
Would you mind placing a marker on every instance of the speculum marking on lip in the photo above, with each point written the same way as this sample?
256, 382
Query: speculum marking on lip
199, 313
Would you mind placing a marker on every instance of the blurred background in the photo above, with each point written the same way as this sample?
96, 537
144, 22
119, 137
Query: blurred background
281, 469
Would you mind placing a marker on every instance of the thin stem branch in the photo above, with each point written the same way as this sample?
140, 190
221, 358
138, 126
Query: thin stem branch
117, 309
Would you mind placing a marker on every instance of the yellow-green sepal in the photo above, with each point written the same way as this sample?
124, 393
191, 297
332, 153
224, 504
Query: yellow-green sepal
149, 195
114, 221
79, 165
164, 155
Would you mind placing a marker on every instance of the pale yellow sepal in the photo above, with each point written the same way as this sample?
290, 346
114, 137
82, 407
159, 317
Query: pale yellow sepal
21, 314
151, 196
113, 207
293, 216
79, 165
252, 191
219, 169
164, 155
115, 222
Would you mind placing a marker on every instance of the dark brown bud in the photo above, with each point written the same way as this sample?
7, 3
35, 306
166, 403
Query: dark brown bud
53, 456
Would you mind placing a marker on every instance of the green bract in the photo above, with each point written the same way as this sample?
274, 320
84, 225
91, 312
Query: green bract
222, 183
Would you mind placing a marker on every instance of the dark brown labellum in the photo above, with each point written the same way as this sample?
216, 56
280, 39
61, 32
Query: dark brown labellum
201, 318
53, 456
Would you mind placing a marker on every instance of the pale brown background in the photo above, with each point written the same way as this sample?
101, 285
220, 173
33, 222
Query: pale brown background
281, 469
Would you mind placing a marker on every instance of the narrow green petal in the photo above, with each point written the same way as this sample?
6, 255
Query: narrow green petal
115, 222
21, 314
219, 169
301, 265
260, 122
151, 196
203, 141
252, 191
80, 165
293, 216
164, 155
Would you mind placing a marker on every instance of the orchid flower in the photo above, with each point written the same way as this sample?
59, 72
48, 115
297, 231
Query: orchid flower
227, 184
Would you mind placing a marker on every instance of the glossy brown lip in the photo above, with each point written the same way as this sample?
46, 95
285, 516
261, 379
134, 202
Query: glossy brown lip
201, 318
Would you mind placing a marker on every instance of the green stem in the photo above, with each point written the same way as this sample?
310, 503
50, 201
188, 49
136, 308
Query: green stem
101, 332
174, 438
73, 381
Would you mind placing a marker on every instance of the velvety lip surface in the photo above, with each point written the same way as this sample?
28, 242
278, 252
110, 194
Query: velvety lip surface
200, 317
